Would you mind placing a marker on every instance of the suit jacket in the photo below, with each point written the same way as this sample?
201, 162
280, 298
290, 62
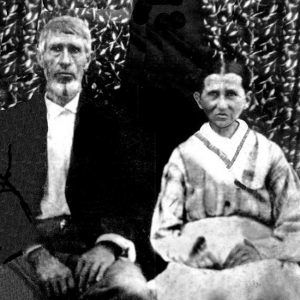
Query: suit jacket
93, 186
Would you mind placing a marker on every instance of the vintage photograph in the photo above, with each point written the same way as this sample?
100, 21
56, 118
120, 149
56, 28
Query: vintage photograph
149, 149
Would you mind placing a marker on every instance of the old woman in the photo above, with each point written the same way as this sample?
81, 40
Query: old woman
227, 218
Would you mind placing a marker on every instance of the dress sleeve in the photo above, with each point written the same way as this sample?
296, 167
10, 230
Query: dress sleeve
285, 195
169, 214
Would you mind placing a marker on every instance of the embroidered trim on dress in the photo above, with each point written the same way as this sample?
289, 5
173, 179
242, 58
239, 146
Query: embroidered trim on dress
249, 174
221, 154
254, 193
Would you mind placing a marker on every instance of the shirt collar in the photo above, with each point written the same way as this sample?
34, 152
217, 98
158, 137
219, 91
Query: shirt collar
54, 110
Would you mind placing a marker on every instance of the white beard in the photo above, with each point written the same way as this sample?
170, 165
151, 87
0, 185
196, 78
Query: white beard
64, 92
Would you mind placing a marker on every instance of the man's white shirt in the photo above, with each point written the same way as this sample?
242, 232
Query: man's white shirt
61, 122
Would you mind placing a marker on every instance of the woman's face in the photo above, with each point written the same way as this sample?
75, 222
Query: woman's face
223, 99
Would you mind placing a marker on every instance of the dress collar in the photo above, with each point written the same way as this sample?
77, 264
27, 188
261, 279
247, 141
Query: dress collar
227, 148
215, 138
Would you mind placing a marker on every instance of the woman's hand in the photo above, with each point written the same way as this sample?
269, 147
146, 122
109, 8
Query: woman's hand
242, 254
201, 257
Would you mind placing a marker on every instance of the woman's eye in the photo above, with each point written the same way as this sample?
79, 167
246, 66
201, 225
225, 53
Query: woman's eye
213, 94
230, 94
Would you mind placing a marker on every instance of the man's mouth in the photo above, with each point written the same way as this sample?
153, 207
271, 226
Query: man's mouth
64, 76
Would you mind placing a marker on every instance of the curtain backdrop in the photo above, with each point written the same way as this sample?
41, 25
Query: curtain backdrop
266, 34
20, 22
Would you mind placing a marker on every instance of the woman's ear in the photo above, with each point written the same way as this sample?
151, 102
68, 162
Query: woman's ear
248, 99
197, 97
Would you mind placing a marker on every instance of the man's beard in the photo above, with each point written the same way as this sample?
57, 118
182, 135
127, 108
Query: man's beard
63, 92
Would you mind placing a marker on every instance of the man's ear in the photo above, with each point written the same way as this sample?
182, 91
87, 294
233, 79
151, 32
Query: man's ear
88, 61
40, 59
197, 97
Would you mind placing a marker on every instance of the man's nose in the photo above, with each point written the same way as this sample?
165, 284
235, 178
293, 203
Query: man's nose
65, 58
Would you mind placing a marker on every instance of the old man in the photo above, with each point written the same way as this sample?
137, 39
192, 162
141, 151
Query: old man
64, 165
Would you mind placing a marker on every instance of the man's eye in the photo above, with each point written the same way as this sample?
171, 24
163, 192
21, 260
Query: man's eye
74, 49
230, 94
56, 48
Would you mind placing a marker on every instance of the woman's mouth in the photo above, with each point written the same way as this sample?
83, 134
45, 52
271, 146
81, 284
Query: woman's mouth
221, 115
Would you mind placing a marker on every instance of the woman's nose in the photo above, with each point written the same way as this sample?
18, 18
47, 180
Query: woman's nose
222, 103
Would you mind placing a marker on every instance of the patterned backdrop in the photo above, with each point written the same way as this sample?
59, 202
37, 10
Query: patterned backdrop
20, 22
266, 34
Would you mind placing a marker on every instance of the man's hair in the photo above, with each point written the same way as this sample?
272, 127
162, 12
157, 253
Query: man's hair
66, 25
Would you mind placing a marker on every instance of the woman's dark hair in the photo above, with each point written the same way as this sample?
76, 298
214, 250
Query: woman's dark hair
224, 67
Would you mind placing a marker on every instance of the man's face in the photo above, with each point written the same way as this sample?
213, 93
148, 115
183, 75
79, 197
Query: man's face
64, 61
223, 99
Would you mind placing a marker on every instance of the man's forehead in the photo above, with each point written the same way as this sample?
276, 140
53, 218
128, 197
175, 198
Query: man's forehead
217, 80
64, 38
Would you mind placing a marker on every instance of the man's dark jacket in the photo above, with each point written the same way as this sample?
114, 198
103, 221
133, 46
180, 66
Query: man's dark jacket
94, 184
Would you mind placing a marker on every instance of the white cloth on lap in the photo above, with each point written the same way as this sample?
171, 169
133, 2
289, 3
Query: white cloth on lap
263, 280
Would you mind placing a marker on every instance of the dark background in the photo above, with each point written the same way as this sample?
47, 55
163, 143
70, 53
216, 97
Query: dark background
155, 103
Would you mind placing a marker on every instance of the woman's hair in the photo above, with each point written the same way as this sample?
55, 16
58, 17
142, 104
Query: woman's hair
224, 66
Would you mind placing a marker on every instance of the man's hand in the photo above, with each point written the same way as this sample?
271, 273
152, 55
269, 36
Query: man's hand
55, 276
92, 265
201, 257
242, 254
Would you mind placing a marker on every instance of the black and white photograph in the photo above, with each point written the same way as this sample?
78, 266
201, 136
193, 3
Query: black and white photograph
149, 149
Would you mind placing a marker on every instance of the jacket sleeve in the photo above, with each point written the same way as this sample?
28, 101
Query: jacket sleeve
99, 197
17, 230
